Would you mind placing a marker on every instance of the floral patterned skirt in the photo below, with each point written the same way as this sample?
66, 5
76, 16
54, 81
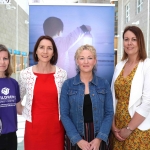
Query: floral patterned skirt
138, 140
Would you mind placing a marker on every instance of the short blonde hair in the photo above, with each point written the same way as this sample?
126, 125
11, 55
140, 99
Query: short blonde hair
85, 47
9, 70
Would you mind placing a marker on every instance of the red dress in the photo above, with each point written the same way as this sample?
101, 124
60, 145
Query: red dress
45, 132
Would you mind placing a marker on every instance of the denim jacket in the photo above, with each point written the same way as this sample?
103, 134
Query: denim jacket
71, 107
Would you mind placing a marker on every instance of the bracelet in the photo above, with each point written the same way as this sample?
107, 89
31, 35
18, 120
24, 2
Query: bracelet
128, 128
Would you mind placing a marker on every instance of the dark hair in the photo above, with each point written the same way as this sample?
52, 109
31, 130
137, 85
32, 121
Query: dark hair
9, 70
140, 41
53, 60
52, 26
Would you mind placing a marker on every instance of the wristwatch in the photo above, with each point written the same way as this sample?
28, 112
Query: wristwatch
128, 128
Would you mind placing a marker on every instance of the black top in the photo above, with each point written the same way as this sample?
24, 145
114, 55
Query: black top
87, 109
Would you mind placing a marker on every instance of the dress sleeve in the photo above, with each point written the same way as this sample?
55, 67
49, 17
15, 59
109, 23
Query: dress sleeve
144, 108
22, 85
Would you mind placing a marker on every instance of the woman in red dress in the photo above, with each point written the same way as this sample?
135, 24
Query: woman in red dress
42, 85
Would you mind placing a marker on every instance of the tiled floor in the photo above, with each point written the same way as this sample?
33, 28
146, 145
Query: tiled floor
21, 126
20, 132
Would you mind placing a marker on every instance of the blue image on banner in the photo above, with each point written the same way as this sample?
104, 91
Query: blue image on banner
99, 18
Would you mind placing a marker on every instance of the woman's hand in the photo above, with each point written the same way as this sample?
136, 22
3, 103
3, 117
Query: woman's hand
95, 144
84, 145
19, 108
117, 134
124, 133
116, 131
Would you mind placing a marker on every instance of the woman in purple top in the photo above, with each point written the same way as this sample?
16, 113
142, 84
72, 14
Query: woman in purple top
9, 103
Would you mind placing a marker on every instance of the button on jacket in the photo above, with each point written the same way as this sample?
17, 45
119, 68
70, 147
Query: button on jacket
71, 107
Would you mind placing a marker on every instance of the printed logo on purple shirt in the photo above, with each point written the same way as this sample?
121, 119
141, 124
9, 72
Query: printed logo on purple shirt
5, 91
6, 98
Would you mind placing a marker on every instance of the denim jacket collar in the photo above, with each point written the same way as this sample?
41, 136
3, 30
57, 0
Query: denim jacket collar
77, 79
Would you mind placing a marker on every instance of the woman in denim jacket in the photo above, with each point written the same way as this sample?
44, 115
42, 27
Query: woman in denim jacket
86, 104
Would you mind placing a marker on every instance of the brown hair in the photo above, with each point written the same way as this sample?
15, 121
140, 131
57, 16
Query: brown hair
53, 60
9, 70
140, 41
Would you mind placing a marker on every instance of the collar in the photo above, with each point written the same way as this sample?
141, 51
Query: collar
77, 79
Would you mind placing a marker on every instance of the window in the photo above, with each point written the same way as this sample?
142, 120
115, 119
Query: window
116, 16
139, 5
127, 8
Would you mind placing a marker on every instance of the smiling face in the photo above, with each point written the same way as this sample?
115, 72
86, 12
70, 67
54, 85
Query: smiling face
86, 61
45, 51
130, 44
4, 61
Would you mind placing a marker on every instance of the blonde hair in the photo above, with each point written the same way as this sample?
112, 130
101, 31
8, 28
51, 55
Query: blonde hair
9, 70
85, 47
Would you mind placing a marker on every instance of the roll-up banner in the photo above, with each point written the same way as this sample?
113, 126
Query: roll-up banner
73, 25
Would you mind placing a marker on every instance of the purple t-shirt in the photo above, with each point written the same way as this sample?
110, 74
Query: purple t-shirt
9, 96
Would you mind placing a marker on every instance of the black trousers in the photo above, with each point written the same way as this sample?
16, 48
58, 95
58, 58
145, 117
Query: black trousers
8, 141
